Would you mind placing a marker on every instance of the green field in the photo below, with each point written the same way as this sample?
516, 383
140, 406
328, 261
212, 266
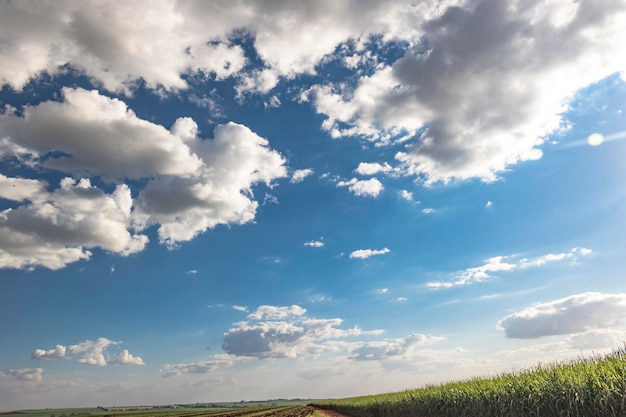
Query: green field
585, 387
591, 387
216, 409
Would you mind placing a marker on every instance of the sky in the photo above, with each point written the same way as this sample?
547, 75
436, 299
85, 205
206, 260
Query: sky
243, 200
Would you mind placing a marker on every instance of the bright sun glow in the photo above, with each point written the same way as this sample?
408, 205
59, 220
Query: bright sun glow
595, 139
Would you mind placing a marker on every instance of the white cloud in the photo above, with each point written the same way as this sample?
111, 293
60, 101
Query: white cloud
300, 174
574, 314
203, 367
380, 350
158, 43
115, 44
400, 300
314, 243
100, 136
366, 253
56, 227
20, 189
506, 264
489, 204
275, 312
90, 353
124, 358
298, 337
24, 374
490, 82
428, 210
371, 187
241, 308
219, 193
194, 184
372, 168
407, 195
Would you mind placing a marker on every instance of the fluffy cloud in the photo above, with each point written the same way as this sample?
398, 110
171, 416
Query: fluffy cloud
573, 314
203, 367
194, 183
506, 264
488, 82
380, 350
372, 168
115, 44
159, 43
24, 374
285, 333
366, 253
371, 187
100, 136
90, 353
275, 312
55, 228
219, 192
300, 174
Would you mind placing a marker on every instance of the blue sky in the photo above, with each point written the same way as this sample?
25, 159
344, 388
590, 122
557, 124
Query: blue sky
203, 201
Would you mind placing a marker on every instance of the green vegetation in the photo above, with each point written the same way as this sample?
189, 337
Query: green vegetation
278, 407
585, 387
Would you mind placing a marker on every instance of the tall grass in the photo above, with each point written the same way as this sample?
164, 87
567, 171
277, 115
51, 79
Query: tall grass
585, 387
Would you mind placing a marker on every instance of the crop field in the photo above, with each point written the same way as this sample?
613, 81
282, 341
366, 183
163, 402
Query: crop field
273, 411
593, 387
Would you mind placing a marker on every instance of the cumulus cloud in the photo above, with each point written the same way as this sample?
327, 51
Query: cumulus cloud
276, 312
57, 228
372, 168
116, 45
300, 174
366, 253
220, 192
159, 43
203, 367
285, 333
24, 374
487, 84
98, 135
193, 184
506, 264
371, 187
89, 353
574, 314
380, 350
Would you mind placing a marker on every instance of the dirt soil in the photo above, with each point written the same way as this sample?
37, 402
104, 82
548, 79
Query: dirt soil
327, 413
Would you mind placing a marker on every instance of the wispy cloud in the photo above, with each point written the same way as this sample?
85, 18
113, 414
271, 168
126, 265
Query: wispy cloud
499, 264
314, 243
366, 253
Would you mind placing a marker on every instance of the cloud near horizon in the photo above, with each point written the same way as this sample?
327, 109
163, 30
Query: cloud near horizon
570, 315
24, 374
89, 353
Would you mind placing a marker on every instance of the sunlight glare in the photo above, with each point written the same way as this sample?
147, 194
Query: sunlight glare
595, 139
